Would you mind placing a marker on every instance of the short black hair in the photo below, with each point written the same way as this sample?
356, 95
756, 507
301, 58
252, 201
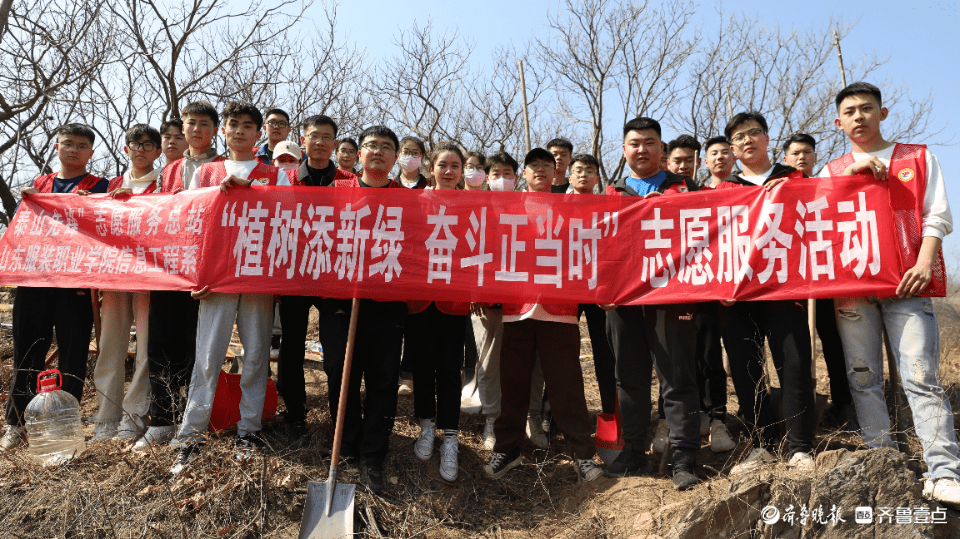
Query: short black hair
379, 131
237, 108
81, 130
317, 119
480, 157
640, 123
501, 158
585, 158
859, 88
415, 140
348, 140
715, 140
683, 141
801, 138
742, 118
176, 122
202, 108
279, 111
139, 131
538, 153
561, 143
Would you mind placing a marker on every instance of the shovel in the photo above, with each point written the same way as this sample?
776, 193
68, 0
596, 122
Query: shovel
328, 512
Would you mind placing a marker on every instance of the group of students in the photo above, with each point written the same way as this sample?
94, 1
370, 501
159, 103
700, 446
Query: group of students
528, 354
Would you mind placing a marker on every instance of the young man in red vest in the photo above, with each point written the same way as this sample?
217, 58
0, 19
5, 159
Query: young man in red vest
654, 335
800, 152
38, 311
173, 313
123, 415
745, 325
379, 340
918, 199
252, 313
277, 128
550, 332
317, 170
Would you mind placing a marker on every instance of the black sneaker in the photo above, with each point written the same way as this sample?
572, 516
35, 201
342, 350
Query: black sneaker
846, 416
185, 456
371, 473
630, 462
501, 463
297, 432
246, 447
684, 470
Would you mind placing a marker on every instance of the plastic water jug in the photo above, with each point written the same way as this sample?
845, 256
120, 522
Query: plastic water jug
54, 429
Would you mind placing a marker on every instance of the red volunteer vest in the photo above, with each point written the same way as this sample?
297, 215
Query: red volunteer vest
171, 177
44, 183
211, 174
117, 183
907, 182
354, 181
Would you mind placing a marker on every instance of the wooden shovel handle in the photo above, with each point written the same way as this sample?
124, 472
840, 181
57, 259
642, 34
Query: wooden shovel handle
345, 383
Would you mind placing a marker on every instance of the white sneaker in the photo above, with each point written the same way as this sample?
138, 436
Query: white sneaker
12, 438
720, 439
757, 458
660, 437
535, 432
448, 458
423, 447
945, 490
489, 438
704, 424
587, 470
802, 461
155, 436
105, 431
406, 388
131, 427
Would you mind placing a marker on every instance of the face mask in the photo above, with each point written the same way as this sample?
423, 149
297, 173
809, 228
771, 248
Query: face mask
409, 163
501, 184
286, 166
474, 178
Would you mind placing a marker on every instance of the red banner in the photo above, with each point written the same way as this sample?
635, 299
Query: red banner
808, 238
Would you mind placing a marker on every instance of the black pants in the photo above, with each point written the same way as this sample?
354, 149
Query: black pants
436, 373
745, 326
660, 335
470, 353
711, 377
171, 351
376, 361
833, 352
37, 312
604, 364
332, 327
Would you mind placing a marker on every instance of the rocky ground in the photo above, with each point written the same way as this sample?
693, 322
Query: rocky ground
112, 492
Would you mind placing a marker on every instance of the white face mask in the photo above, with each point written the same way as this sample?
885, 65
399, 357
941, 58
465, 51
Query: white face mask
286, 166
409, 163
474, 177
501, 184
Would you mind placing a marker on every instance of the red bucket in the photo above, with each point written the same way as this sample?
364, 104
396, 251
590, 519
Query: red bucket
610, 431
226, 403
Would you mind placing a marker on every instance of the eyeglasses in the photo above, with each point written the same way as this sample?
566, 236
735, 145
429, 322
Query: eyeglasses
382, 148
317, 138
274, 123
71, 146
742, 137
145, 146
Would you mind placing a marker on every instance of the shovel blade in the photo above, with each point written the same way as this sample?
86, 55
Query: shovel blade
315, 523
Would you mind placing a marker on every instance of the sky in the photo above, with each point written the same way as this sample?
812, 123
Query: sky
919, 38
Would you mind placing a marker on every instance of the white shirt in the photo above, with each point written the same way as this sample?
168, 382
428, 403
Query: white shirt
937, 219
139, 185
758, 180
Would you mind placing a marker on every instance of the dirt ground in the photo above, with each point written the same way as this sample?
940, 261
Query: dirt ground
113, 492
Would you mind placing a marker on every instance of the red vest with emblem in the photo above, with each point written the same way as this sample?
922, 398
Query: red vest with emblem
44, 184
907, 181
171, 176
211, 174
117, 183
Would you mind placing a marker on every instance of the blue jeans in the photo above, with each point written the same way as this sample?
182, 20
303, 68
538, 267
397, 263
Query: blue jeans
914, 336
